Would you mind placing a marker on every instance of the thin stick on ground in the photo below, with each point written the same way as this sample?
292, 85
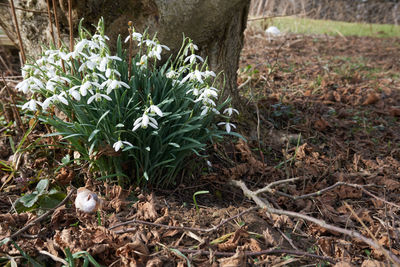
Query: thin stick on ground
269, 209
21, 46
170, 227
42, 217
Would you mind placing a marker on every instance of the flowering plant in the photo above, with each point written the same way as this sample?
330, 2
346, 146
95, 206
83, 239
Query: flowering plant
129, 115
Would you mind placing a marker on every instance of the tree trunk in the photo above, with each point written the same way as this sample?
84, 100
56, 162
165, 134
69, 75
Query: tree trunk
216, 26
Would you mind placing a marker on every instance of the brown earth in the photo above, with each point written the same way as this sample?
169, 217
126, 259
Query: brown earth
323, 109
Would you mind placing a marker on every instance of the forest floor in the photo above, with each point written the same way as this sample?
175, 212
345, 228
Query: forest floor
318, 109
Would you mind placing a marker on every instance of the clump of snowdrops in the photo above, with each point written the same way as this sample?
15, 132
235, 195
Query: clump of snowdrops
139, 124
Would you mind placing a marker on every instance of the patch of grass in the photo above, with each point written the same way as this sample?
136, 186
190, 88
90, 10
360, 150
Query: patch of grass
330, 27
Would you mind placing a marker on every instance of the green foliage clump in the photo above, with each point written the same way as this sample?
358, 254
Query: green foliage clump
129, 115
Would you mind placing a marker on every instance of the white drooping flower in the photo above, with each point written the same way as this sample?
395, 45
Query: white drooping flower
135, 36
230, 111
171, 74
153, 109
228, 126
207, 109
142, 62
192, 58
120, 144
31, 105
112, 84
193, 76
144, 122
31, 84
86, 86
157, 50
86, 200
97, 96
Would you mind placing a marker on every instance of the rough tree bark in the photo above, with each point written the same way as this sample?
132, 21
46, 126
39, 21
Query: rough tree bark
216, 26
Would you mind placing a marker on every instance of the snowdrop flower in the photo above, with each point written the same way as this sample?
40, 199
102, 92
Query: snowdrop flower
157, 50
111, 84
60, 98
55, 98
153, 109
30, 84
87, 64
228, 126
135, 36
86, 200
230, 111
111, 72
195, 75
144, 122
171, 74
86, 86
97, 96
53, 82
208, 73
191, 47
120, 144
75, 94
142, 62
207, 109
192, 58
195, 91
31, 105
208, 93
45, 105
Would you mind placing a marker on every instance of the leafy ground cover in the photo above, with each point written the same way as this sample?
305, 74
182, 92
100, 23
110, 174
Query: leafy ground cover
315, 109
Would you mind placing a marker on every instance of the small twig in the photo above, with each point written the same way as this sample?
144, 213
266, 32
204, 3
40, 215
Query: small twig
257, 253
246, 82
171, 227
50, 22
354, 234
14, 106
71, 35
54, 257
268, 187
287, 239
40, 218
21, 47
23, 9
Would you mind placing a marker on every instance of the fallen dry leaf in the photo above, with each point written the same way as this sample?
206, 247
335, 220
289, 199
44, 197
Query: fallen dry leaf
372, 263
237, 260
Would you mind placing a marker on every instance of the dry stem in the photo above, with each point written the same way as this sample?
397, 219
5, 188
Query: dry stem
21, 47
50, 21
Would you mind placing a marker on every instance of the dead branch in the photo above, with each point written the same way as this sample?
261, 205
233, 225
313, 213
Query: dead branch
42, 217
269, 209
171, 227
258, 253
